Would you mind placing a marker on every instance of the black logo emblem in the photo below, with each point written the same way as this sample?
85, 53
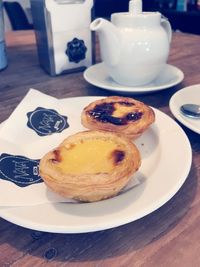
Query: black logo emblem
46, 121
19, 170
76, 50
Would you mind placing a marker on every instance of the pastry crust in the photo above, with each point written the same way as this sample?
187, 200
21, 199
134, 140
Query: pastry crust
90, 166
118, 114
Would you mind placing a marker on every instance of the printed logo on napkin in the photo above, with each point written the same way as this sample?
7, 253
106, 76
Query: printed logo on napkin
46, 121
19, 170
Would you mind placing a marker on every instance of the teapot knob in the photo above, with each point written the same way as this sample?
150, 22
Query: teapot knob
135, 7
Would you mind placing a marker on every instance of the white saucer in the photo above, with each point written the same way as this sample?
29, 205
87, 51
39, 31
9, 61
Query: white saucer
96, 75
189, 94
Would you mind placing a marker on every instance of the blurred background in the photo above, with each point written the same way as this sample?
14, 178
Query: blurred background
11, 14
184, 15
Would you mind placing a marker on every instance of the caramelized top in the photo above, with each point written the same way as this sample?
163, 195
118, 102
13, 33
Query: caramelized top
90, 156
118, 113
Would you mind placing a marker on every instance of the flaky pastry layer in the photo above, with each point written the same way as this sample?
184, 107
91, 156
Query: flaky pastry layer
124, 115
113, 161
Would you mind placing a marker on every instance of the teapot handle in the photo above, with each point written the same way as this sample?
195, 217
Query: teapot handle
167, 27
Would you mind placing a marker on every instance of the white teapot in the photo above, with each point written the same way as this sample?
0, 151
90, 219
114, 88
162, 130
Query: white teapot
135, 45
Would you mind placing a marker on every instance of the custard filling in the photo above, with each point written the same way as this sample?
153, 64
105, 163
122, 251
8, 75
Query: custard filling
119, 113
121, 110
90, 156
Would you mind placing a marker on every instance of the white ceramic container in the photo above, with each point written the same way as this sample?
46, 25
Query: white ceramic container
134, 45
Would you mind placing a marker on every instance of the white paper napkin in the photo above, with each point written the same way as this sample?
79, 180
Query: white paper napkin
38, 124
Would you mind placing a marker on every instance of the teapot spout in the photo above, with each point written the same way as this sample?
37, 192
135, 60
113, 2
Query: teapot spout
109, 40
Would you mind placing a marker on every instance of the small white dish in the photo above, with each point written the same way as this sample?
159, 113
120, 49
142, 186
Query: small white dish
97, 75
187, 95
160, 171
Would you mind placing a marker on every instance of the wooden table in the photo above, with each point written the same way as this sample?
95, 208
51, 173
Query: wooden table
167, 237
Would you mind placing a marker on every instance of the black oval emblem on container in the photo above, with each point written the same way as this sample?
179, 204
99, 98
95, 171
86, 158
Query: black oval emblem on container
46, 121
19, 170
76, 50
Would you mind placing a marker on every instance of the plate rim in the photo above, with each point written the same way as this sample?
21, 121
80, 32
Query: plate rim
8, 214
129, 89
176, 113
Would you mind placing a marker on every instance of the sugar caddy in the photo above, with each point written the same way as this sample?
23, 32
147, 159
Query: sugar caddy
64, 40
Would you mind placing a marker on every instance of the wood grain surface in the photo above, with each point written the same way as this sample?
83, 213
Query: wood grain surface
168, 237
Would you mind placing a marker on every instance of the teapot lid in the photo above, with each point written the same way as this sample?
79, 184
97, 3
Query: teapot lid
135, 15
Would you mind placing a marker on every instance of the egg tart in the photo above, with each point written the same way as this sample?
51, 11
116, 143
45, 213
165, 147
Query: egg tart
90, 166
118, 114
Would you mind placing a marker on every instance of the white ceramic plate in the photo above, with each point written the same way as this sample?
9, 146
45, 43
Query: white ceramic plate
163, 171
189, 94
97, 75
